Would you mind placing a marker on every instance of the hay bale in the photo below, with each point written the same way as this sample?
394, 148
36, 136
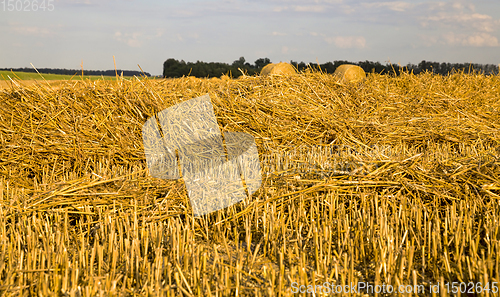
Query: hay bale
349, 73
267, 69
283, 69
278, 69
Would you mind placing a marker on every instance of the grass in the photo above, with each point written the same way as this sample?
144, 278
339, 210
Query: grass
395, 180
4, 75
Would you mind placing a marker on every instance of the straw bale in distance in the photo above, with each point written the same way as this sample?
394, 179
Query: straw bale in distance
278, 69
267, 69
349, 73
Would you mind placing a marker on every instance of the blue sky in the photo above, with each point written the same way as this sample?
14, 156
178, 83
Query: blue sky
149, 32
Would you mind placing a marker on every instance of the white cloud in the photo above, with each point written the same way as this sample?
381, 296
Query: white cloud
130, 39
483, 39
342, 41
452, 17
428, 40
284, 50
477, 40
458, 5
480, 22
437, 5
141, 38
275, 33
314, 6
186, 36
301, 8
31, 30
307, 1
42, 32
77, 4
458, 14
393, 5
159, 33
183, 13
85, 2
347, 41
309, 8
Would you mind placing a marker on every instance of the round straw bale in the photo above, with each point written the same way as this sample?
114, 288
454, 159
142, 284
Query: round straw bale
267, 69
349, 73
278, 69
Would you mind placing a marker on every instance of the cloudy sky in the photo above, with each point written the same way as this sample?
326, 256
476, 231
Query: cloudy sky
149, 32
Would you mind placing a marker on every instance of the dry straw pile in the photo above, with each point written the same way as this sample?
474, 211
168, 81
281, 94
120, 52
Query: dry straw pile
396, 181
278, 69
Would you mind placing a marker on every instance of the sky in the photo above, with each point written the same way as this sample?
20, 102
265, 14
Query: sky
146, 33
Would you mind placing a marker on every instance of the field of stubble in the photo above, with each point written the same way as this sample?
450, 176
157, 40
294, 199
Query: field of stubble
392, 181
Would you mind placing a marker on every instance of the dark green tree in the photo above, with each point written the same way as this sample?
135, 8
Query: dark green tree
239, 63
174, 68
261, 62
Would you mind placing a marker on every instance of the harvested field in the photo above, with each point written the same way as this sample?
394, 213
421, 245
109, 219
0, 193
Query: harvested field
7, 84
392, 181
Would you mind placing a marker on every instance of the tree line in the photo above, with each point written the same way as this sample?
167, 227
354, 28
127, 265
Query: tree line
173, 68
79, 72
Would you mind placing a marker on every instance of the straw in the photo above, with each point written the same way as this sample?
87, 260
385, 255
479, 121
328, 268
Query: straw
393, 180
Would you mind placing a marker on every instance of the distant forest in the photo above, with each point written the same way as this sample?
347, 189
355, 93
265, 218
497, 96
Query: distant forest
174, 68
79, 72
